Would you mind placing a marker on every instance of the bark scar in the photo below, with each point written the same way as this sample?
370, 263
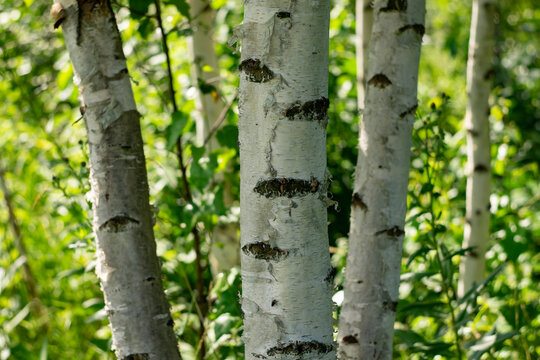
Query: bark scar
380, 81
256, 71
417, 28
350, 339
358, 201
310, 110
287, 187
137, 357
298, 348
118, 224
395, 5
394, 231
264, 251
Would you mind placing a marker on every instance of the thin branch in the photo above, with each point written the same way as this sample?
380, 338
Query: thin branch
187, 192
28, 275
220, 119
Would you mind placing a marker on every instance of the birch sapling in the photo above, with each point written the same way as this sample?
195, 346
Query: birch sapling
479, 74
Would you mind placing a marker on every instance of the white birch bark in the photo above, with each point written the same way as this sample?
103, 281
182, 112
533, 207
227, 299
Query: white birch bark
366, 323
225, 252
364, 24
128, 268
203, 57
286, 281
479, 74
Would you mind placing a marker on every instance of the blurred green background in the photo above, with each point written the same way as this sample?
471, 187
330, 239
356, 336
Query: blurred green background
44, 158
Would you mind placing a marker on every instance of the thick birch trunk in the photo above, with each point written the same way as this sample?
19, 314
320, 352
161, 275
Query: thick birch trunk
479, 74
286, 281
366, 323
128, 268
364, 24
225, 252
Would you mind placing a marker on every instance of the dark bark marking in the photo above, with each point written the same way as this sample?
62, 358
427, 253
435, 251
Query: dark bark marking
472, 253
380, 81
478, 211
395, 231
329, 278
395, 5
299, 348
137, 357
150, 278
288, 187
310, 110
473, 132
274, 302
283, 14
358, 201
259, 356
390, 305
118, 224
417, 28
255, 71
170, 322
350, 339
489, 74
481, 168
264, 251
409, 111
118, 76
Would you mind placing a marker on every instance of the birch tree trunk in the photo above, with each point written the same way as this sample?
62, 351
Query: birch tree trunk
366, 323
479, 74
286, 273
224, 252
364, 24
205, 70
128, 268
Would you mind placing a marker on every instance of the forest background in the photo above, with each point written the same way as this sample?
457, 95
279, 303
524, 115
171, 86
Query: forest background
43, 159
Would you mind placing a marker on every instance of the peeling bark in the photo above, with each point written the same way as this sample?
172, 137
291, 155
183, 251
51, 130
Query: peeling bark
366, 323
286, 295
479, 73
128, 267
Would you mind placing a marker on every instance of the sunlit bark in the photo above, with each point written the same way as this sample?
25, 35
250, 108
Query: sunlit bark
479, 74
379, 204
128, 268
286, 277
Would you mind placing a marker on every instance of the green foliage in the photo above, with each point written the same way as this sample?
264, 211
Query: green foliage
43, 150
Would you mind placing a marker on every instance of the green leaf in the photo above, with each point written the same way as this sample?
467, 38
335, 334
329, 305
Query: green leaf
145, 28
487, 342
228, 136
102, 344
197, 152
176, 128
181, 5
139, 8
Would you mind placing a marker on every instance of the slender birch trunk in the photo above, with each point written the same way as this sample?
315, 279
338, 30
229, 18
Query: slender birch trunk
364, 24
286, 281
128, 268
224, 252
366, 323
204, 69
479, 74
